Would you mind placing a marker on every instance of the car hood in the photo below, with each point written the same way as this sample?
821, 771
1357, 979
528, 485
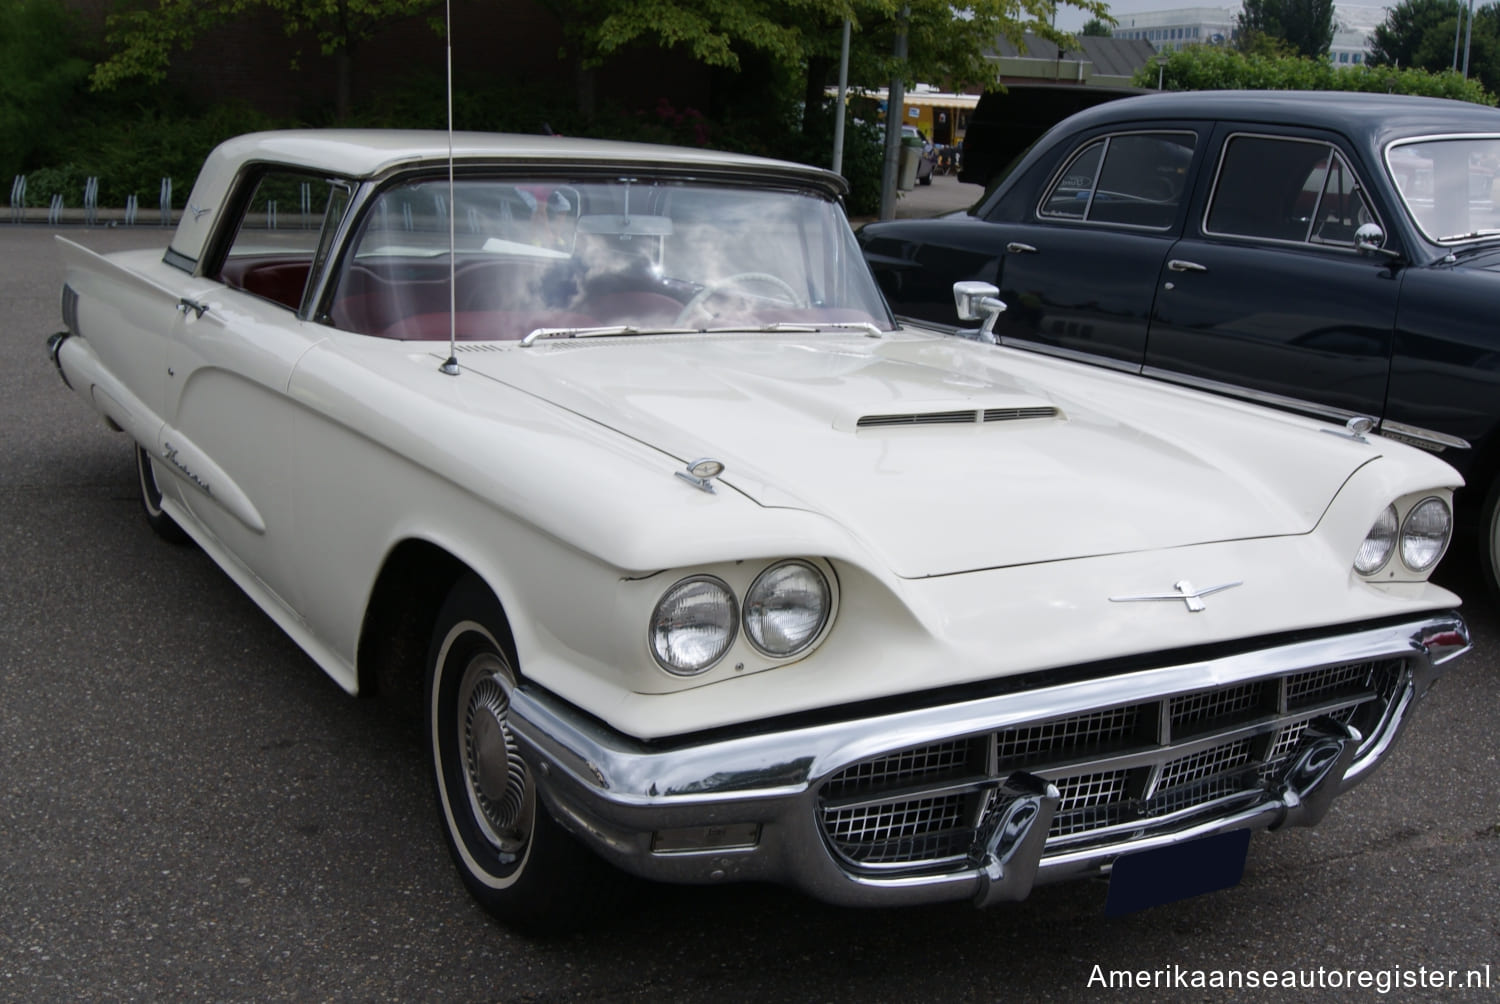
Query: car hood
945, 456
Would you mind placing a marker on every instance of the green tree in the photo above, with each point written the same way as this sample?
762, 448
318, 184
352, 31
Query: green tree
144, 38
41, 73
1407, 35
802, 37
1097, 27
1306, 26
1208, 68
1421, 34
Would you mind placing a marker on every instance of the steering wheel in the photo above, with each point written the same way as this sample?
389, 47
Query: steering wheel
729, 282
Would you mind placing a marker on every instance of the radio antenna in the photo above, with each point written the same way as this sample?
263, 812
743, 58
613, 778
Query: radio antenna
450, 366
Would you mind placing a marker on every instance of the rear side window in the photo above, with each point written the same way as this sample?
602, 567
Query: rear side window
1130, 179
1290, 190
283, 231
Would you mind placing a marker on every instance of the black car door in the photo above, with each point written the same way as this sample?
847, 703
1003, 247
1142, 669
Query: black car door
1266, 295
1079, 268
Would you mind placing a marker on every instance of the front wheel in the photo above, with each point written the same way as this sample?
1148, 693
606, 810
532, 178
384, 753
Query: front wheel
1489, 540
515, 859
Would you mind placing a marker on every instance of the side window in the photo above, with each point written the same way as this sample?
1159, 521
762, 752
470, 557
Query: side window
284, 229
1301, 191
1132, 179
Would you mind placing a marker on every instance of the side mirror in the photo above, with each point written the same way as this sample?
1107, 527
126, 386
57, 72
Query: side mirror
1370, 239
976, 300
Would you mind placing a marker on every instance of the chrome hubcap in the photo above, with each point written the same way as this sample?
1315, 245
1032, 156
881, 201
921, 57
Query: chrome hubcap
499, 785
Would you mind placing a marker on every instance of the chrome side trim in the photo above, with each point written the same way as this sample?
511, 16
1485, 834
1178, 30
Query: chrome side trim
1042, 348
614, 792
1339, 415
1419, 436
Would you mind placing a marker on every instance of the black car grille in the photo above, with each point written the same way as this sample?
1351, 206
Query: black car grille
1135, 765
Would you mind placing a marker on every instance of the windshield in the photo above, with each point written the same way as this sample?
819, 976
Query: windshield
1447, 185
642, 254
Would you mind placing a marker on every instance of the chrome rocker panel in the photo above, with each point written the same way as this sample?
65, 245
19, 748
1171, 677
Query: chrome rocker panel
748, 807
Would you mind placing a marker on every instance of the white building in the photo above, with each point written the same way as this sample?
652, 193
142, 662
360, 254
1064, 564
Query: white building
1171, 29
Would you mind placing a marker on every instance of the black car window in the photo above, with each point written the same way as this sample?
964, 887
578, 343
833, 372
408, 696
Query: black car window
1291, 190
1131, 179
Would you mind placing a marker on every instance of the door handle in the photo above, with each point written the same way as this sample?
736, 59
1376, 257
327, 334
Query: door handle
198, 309
1178, 265
1016, 247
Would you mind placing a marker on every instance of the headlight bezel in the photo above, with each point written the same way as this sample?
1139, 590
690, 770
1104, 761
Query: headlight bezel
742, 654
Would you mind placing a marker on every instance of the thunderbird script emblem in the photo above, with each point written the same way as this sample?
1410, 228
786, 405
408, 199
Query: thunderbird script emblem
1185, 591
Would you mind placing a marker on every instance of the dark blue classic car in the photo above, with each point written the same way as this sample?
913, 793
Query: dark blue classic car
1336, 254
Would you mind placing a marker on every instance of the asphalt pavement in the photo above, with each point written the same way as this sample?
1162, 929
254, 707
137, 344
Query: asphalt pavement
190, 810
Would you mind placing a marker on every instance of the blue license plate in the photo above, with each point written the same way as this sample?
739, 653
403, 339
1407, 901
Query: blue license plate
1166, 874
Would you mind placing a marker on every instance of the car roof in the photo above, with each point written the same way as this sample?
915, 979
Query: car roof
1374, 118
373, 153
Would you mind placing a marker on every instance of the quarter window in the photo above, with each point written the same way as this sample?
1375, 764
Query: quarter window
1298, 191
1133, 179
284, 229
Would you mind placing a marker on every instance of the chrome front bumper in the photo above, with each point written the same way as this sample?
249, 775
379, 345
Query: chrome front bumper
758, 806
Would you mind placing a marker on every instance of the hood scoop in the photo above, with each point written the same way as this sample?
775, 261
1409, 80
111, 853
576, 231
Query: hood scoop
967, 416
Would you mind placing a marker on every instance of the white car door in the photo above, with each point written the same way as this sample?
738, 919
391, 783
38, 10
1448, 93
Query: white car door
228, 417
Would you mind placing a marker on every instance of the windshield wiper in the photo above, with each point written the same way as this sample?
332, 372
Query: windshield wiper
600, 332
807, 327
1471, 235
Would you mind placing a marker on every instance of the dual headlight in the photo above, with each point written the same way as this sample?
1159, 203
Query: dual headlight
1421, 537
697, 620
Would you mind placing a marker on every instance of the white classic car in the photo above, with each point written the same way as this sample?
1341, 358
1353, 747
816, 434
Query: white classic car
611, 460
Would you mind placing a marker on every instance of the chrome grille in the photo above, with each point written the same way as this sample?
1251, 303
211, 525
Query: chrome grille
914, 829
1135, 764
1190, 710
921, 765
1089, 801
1307, 688
1067, 737
1204, 764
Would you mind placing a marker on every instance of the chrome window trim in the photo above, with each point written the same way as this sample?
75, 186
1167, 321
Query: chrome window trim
1306, 242
1061, 171
1385, 159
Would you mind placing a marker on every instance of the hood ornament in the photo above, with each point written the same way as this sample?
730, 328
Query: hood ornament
700, 474
1185, 591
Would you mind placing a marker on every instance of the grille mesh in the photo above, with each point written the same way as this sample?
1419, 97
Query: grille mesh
898, 831
1307, 688
1067, 737
876, 812
1190, 711
1205, 764
922, 765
